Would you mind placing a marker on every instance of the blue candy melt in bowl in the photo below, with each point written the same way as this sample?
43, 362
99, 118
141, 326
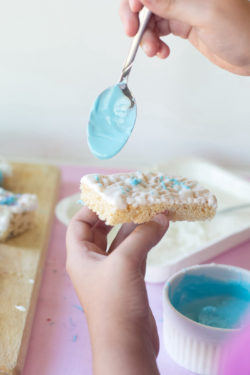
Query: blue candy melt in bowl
204, 306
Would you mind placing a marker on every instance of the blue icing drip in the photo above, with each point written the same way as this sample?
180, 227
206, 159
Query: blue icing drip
135, 181
111, 122
211, 302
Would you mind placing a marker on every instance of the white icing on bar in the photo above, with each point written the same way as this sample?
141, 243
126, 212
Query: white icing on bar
138, 189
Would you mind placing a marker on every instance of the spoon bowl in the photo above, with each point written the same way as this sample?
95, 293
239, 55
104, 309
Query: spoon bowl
112, 120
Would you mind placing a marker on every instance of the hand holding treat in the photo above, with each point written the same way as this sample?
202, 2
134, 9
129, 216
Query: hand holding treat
112, 291
219, 29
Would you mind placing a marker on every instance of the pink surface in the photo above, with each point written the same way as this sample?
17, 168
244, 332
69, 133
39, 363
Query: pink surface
238, 362
59, 343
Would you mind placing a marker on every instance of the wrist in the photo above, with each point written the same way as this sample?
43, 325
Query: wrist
121, 346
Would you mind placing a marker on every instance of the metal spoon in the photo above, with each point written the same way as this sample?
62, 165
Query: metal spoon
113, 115
145, 15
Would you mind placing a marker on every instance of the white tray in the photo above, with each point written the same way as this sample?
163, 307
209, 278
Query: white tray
187, 244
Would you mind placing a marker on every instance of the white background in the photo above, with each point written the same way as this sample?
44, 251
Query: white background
56, 56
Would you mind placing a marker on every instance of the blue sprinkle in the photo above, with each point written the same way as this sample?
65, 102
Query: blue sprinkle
75, 338
175, 182
122, 190
80, 202
9, 201
71, 322
135, 181
164, 185
78, 307
98, 180
180, 183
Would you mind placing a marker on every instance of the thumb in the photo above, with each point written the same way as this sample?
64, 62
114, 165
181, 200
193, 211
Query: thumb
191, 12
143, 238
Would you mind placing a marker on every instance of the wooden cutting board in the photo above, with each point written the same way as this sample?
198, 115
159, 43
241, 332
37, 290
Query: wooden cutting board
21, 264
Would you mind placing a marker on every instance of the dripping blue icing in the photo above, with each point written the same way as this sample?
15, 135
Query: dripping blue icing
211, 302
111, 122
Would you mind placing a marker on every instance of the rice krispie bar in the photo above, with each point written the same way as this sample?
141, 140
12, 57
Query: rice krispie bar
16, 213
137, 197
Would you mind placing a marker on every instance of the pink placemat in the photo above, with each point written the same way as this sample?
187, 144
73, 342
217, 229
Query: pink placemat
59, 343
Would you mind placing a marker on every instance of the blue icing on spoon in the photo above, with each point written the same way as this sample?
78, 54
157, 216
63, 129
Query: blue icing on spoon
113, 115
111, 122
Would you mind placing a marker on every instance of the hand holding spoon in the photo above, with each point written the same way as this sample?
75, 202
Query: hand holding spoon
113, 115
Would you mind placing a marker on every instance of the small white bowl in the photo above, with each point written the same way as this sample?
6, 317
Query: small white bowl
67, 208
192, 345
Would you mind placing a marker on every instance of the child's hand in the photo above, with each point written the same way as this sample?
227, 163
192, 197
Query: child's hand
220, 29
112, 291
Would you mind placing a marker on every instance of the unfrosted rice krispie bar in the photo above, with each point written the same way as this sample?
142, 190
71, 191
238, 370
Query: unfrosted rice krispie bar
16, 213
137, 197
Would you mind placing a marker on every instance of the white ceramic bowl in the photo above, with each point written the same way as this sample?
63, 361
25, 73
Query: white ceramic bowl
67, 208
192, 345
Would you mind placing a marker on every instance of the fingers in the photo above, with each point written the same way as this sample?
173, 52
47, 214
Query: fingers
101, 231
124, 231
192, 11
151, 42
85, 228
152, 45
129, 19
135, 5
164, 51
143, 238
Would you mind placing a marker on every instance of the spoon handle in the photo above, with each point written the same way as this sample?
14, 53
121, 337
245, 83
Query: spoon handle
145, 15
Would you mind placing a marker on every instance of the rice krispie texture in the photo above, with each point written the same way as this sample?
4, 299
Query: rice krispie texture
138, 196
16, 213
